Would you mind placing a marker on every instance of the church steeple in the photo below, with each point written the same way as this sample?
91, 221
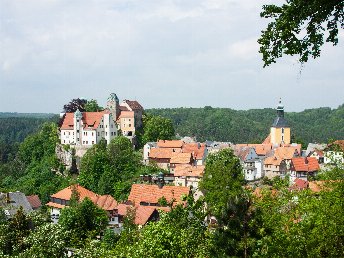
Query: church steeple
280, 109
280, 130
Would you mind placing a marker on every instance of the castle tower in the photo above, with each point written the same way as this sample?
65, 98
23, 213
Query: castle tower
77, 126
280, 130
113, 105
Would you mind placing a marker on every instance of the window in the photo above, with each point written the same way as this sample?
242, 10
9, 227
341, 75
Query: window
64, 133
92, 142
106, 134
92, 133
68, 133
98, 134
106, 126
129, 125
64, 141
282, 130
77, 131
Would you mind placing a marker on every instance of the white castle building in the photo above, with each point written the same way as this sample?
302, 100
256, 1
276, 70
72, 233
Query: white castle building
88, 128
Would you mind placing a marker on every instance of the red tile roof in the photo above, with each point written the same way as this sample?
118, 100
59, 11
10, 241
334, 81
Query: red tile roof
126, 114
34, 201
161, 153
286, 152
300, 184
261, 149
181, 158
273, 161
152, 193
142, 213
189, 170
170, 144
106, 202
196, 149
267, 140
65, 194
91, 120
301, 164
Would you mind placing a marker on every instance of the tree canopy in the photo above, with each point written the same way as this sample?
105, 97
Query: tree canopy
298, 28
157, 128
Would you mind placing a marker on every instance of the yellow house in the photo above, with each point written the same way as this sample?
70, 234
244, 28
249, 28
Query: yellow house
280, 130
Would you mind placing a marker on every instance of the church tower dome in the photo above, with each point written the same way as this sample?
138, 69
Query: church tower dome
280, 130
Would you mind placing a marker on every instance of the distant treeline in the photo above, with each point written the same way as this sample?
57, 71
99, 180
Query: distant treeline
252, 126
16, 127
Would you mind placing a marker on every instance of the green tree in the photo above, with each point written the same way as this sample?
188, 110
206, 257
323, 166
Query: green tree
298, 28
92, 106
302, 224
85, 220
74, 105
48, 240
227, 200
157, 128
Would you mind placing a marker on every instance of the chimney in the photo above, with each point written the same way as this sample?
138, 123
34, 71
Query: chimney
306, 161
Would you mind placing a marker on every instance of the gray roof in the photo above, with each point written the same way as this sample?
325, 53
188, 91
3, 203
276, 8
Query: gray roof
13, 202
280, 122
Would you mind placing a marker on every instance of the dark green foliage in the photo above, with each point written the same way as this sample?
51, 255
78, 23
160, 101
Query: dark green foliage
92, 106
223, 187
110, 169
238, 126
34, 169
157, 128
302, 224
74, 105
84, 220
298, 28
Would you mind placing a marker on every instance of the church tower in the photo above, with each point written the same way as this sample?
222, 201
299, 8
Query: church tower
280, 130
113, 105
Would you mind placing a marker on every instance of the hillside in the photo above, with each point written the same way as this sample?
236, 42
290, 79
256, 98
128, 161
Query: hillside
239, 126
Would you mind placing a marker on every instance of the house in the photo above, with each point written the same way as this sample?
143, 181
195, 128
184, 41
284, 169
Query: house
161, 157
146, 150
189, 176
12, 201
180, 159
318, 154
303, 167
150, 195
250, 161
275, 166
198, 150
61, 199
286, 153
262, 149
34, 201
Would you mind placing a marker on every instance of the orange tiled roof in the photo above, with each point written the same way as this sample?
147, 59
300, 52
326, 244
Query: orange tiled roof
188, 170
170, 144
65, 194
296, 146
285, 152
267, 140
273, 161
302, 164
196, 149
300, 184
142, 213
90, 120
161, 153
261, 149
152, 193
181, 158
34, 201
126, 114
106, 202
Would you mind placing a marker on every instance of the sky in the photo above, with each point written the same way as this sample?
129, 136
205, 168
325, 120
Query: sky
162, 53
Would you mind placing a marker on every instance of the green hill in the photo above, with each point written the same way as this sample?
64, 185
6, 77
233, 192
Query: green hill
239, 126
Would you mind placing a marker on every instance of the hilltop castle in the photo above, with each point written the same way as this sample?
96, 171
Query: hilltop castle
88, 128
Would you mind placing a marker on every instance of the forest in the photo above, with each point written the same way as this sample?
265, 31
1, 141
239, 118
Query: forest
252, 126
